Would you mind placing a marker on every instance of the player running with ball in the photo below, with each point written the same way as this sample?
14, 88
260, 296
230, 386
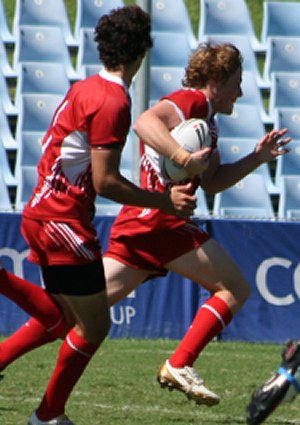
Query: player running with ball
141, 238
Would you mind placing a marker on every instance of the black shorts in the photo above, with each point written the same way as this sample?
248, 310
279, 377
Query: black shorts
86, 279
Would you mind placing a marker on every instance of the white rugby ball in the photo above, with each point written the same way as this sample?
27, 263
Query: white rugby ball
192, 135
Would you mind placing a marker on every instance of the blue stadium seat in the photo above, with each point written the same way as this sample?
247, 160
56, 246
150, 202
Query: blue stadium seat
289, 198
252, 95
46, 12
89, 70
6, 172
244, 122
87, 51
249, 198
5, 99
5, 33
105, 206
172, 16
227, 17
43, 44
6, 134
170, 49
36, 111
30, 149
288, 117
232, 150
288, 164
88, 12
285, 91
164, 80
5, 202
41, 77
27, 180
280, 18
5, 66
242, 42
202, 209
282, 55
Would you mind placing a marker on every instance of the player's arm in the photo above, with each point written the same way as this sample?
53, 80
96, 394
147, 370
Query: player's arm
109, 182
153, 127
219, 177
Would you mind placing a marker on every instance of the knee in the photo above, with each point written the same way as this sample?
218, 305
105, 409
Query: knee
241, 293
96, 330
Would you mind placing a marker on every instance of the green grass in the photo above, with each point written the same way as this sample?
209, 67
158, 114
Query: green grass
119, 385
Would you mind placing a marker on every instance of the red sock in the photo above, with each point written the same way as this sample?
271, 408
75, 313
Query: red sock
73, 357
30, 336
210, 319
31, 298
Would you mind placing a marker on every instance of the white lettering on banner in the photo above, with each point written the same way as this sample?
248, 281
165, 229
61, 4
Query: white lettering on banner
122, 315
17, 259
261, 281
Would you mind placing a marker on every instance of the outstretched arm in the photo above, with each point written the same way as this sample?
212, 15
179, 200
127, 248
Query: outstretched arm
219, 177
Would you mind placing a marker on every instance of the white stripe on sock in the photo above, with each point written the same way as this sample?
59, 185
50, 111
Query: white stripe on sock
215, 312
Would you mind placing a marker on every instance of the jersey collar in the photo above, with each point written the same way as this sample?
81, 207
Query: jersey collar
113, 78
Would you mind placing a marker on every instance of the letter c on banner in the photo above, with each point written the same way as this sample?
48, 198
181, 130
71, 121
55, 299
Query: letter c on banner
261, 281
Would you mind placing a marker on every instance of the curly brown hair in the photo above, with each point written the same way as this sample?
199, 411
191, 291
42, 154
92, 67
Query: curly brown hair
123, 35
212, 62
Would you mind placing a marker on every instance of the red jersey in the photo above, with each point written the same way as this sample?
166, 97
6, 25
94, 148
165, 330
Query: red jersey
95, 112
189, 103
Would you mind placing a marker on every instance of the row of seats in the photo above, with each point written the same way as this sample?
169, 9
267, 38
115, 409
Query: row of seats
248, 199
221, 17
43, 45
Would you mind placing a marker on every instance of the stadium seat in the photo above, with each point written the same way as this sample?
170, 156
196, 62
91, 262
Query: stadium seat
43, 44
5, 67
282, 55
6, 134
289, 118
5, 202
232, 150
5, 33
289, 198
36, 111
105, 206
242, 42
252, 95
289, 164
227, 17
8, 106
43, 13
6, 172
89, 70
27, 180
170, 49
202, 209
87, 51
30, 149
249, 198
172, 16
244, 122
41, 77
280, 18
285, 91
88, 12
164, 80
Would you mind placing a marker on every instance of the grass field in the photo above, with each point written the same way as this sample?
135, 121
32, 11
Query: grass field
119, 386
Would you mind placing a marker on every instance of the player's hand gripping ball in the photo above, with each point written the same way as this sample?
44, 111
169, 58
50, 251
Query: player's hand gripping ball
192, 135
